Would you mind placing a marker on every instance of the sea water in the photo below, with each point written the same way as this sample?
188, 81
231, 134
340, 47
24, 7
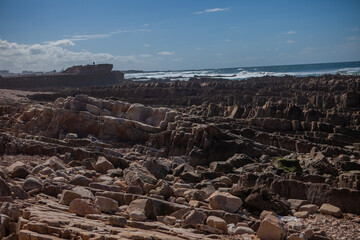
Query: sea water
240, 73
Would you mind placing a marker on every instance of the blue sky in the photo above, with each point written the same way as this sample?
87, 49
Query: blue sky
171, 34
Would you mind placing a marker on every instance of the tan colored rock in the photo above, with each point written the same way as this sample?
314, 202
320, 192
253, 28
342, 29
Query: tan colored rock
140, 206
303, 214
217, 222
82, 207
271, 228
225, 201
103, 165
169, 220
193, 218
68, 196
310, 208
329, 209
242, 230
105, 204
266, 213
117, 221
137, 216
18, 169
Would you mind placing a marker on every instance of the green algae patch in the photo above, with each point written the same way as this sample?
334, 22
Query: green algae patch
288, 165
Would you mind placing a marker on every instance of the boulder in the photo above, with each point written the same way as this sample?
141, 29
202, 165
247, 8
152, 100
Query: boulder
310, 208
102, 165
138, 175
4, 225
239, 160
157, 167
330, 210
68, 196
82, 207
140, 206
271, 228
225, 201
18, 192
18, 169
105, 204
80, 180
193, 218
11, 210
224, 167
117, 221
241, 230
4, 189
137, 216
218, 223
31, 184
83, 192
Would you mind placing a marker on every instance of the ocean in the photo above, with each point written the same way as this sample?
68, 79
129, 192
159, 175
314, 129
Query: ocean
241, 73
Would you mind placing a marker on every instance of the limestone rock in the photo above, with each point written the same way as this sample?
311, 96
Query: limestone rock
310, 208
117, 221
18, 169
102, 165
193, 218
82, 207
68, 196
140, 206
225, 201
4, 189
105, 204
31, 184
330, 210
271, 228
217, 222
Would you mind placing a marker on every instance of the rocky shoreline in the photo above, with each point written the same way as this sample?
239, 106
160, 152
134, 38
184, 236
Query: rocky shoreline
265, 158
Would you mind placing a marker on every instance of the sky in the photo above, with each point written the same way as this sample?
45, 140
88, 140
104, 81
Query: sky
44, 35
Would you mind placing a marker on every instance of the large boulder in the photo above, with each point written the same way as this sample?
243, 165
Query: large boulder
271, 228
157, 167
138, 176
105, 204
140, 206
102, 165
4, 189
330, 210
32, 184
18, 169
218, 223
193, 218
225, 201
82, 207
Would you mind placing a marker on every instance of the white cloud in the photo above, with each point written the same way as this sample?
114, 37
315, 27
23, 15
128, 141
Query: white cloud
145, 55
198, 48
212, 10
104, 35
51, 55
166, 53
226, 40
289, 41
146, 45
291, 32
355, 29
62, 42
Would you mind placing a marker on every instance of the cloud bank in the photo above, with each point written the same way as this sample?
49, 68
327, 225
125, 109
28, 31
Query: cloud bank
52, 55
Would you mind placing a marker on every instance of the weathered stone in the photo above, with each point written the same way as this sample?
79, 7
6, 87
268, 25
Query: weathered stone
102, 165
31, 184
310, 208
225, 201
330, 210
241, 230
117, 221
303, 214
82, 207
19, 192
157, 167
4, 225
193, 218
105, 204
4, 189
140, 205
271, 228
18, 169
80, 180
11, 210
137, 216
217, 222
83, 192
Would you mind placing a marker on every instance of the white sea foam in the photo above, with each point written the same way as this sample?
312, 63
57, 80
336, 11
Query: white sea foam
234, 74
